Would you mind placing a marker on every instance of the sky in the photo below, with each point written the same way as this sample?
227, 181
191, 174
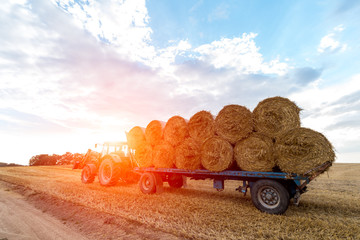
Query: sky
78, 72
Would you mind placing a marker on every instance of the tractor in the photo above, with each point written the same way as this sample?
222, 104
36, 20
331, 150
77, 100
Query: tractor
112, 164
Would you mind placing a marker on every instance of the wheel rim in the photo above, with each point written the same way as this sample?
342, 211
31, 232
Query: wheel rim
269, 197
86, 174
106, 172
146, 183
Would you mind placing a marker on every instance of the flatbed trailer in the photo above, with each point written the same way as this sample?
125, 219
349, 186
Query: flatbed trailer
270, 191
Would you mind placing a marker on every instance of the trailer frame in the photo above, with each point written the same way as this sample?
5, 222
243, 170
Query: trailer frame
294, 185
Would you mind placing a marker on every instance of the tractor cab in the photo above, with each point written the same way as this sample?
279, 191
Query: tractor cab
118, 148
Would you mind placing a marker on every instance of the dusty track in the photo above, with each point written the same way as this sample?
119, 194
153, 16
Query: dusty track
26, 214
21, 220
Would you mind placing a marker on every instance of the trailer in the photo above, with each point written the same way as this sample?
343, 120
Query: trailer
271, 192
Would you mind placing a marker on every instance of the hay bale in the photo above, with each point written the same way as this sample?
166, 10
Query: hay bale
275, 115
216, 154
136, 137
187, 155
201, 126
164, 155
255, 153
176, 130
154, 132
143, 155
301, 149
233, 123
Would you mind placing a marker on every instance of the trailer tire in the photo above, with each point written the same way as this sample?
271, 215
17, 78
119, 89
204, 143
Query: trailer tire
270, 196
109, 172
176, 181
88, 173
147, 183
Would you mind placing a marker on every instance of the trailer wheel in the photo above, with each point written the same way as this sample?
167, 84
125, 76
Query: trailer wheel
109, 172
88, 173
176, 181
147, 183
270, 196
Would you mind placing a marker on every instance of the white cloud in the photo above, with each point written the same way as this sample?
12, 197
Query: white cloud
240, 53
330, 42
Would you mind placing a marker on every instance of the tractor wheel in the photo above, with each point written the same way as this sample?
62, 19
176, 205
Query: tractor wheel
109, 172
147, 183
176, 181
88, 173
270, 196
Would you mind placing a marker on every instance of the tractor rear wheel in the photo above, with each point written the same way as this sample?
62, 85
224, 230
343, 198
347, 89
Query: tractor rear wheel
109, 172
88, 173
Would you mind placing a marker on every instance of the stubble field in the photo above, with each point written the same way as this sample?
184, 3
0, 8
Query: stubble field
329, 210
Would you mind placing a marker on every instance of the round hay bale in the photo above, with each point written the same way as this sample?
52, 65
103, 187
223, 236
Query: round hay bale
188, 155
233, 123
164, 155
216, 154
201, 126
275, 115
136, 137
176, 130
255, 153
154, 132
143, 155
301, 149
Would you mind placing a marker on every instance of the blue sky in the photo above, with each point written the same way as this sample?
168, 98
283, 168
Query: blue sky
74, 73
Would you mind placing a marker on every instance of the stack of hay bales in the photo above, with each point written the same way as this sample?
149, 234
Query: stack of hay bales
296, 149
261, 140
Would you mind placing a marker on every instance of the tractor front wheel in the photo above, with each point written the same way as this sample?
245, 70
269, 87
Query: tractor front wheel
109, 172
88, 173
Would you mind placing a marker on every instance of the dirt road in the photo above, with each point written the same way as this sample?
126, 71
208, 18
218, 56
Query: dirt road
21, 220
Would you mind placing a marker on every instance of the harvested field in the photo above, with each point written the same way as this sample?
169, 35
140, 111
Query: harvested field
329, 210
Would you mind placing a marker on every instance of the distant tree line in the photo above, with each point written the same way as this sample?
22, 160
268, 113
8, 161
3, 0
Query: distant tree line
55, 159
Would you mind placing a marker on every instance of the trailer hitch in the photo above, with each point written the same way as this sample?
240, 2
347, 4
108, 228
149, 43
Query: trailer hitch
243, 189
